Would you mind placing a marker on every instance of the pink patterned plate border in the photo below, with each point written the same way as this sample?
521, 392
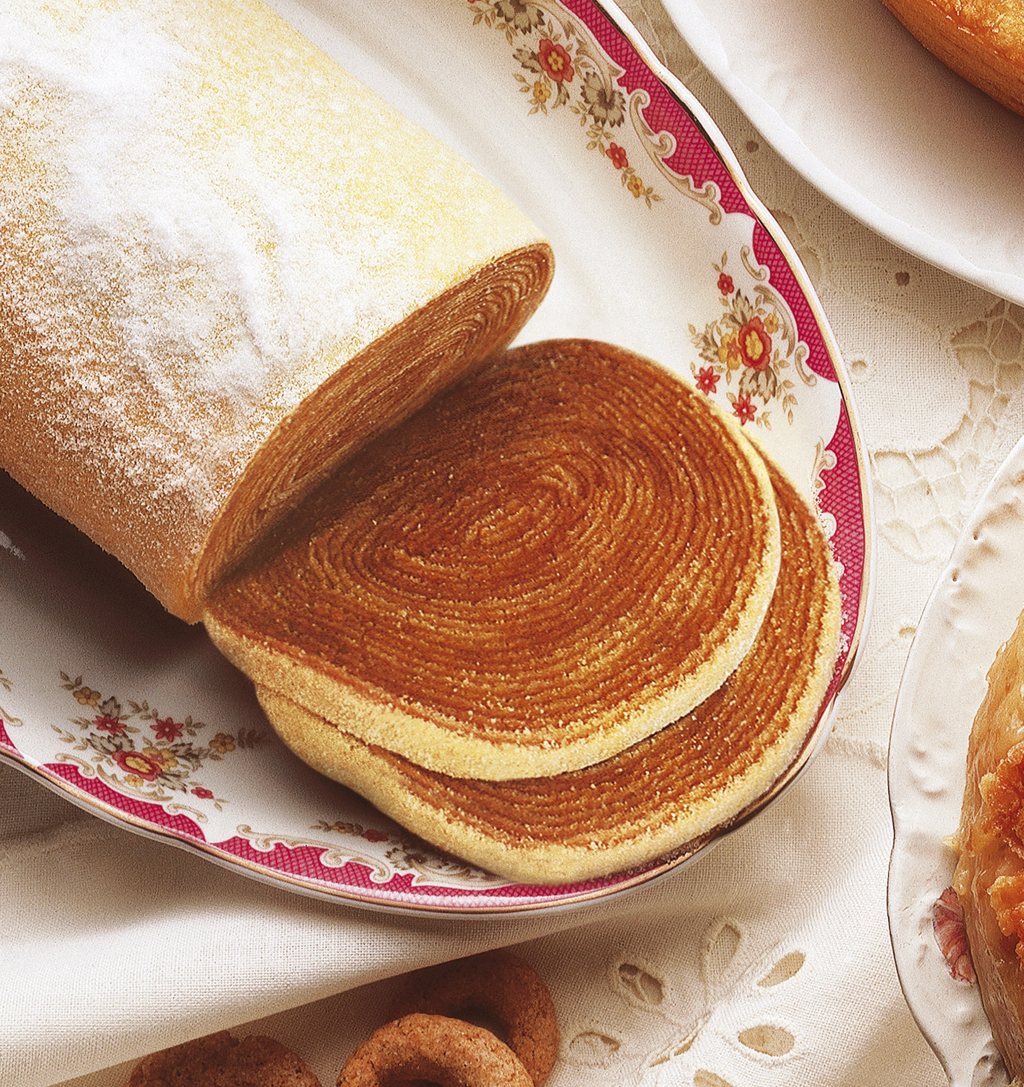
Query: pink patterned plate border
135, 717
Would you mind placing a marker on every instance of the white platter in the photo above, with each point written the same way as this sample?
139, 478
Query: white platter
137, 718
858, 107
972, 611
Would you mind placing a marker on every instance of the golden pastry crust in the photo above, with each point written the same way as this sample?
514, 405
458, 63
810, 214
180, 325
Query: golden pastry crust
981, 40
216, 280
989, 877
436, 1049
220, 1060
560, 556
664, 794
497, 986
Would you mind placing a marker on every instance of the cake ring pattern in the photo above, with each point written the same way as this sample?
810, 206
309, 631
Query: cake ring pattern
703, 772
563, 555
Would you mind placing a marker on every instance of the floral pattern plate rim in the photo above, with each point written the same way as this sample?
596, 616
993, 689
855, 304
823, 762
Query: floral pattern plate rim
134, 716
970, 613
857, 106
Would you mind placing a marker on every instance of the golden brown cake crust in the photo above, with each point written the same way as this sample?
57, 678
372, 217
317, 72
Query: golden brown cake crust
981, 40
661, 795
560, 556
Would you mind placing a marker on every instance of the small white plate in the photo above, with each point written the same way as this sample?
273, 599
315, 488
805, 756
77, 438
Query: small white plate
972, 611
864, 112
658, 241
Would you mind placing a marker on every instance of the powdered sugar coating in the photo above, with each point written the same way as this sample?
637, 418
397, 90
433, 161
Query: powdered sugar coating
201, 223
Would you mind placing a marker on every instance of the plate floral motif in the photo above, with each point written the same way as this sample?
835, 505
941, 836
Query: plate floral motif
407, 854
132, 747
588, 108
753, 342
567, 69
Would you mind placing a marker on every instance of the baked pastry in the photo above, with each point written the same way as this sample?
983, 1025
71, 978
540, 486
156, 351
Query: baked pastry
562, 555
989, 877
496, 987
665, 794
981, 40
220, 1060
225, 265
433, 1049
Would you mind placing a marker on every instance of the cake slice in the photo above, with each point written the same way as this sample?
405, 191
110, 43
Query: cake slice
561, 556
666, 794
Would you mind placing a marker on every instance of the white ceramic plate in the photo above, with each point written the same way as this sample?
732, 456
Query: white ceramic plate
658, 243
857, 106
972, 611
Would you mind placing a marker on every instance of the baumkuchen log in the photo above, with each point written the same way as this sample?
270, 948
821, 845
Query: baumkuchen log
989, 878
224, 264
665, 793
555, 559
981, 40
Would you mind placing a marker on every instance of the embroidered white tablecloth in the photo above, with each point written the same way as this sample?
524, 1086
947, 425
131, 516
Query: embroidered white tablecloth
768, 963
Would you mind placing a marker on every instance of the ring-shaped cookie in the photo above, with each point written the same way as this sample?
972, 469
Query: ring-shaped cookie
437, 1049
221, 1060
496, 986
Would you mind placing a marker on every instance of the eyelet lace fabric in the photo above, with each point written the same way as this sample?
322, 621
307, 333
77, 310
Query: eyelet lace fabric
769, 965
